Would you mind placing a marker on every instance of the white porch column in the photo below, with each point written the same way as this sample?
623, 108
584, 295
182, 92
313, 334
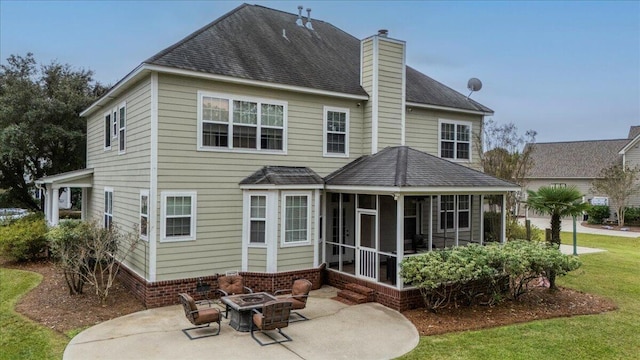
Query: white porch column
399, 238
456, 222
316, 230
430, 222
481, 219
504, 219
55, 213
85, 204
47, 203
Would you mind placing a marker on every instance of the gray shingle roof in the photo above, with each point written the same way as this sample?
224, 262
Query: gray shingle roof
633, 132
402, 166
283, 175
574, 159
248, 43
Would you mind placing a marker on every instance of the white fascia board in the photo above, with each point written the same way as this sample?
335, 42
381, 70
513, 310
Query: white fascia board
446, 108
69, 176
116, 89
631, 144
281, 187
421, 190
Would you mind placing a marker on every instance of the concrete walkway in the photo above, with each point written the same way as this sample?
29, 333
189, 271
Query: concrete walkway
335, 331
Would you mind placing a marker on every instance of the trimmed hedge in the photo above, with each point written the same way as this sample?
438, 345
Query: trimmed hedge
597, 214
444, 275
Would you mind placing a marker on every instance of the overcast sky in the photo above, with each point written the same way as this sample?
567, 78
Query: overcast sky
568, 70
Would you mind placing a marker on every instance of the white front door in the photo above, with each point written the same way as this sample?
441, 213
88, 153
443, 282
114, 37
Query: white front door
367, 244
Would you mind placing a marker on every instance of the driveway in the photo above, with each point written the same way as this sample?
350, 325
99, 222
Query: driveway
335, 331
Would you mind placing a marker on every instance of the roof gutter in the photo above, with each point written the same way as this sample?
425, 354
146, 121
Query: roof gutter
446, 108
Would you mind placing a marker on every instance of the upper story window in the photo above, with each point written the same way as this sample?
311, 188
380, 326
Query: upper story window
336, 132
107, 131
240, 124
455, 140
178, 216
122, 128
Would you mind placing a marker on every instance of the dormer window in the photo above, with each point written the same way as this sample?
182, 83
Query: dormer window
241, 124
455, 140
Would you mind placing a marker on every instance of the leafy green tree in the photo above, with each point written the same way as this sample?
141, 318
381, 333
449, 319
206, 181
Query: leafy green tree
558, 202
619, 184
41, 132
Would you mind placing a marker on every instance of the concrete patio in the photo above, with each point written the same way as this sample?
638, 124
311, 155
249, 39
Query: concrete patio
335, 331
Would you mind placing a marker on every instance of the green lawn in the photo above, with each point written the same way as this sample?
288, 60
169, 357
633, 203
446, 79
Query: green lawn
614, 335
21, 338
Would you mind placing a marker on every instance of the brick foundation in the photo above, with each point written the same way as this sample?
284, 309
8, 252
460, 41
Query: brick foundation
163, 293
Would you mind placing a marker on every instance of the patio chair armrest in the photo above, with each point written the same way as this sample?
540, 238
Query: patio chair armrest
283, 291
222, 292
301, 296
257, 311
248, 289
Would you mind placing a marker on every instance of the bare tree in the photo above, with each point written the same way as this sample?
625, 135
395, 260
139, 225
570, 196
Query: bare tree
619, 184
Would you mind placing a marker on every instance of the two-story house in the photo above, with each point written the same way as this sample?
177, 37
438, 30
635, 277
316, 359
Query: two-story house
282, 147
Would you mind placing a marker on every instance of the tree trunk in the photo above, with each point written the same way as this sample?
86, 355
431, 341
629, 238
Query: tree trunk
555, 230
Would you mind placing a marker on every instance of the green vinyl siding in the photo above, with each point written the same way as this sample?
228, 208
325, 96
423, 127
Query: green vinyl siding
390, 106
257, 259
126, 173
215, 175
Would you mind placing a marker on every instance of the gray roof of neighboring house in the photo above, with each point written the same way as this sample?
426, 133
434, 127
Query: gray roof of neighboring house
633, 132
248, 43
283, 175
402, 166
574, 159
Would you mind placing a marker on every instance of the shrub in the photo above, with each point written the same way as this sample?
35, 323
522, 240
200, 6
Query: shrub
517, 231
597, 214
24, 238
441, 275
91, 254
632, 215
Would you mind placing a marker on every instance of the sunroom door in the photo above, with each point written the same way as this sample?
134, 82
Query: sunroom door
367, 236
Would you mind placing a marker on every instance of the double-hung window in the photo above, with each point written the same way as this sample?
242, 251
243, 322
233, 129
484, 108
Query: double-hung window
235, 123
144, 214
122, 128
107, 131
296, 216
178, 216
108, 208
258, 220
336, 132
455, 140
448, 211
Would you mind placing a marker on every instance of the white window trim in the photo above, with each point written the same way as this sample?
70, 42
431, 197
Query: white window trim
104, 129
144, 192
456, 213
325, 132
105, 213
230, 148
114, 123
122, 129
163, 213
455, 141
283, 218
247, 220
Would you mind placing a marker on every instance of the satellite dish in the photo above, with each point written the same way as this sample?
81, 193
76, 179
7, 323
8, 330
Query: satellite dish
474, 84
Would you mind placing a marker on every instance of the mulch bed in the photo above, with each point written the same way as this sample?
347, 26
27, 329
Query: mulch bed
538, 304
51, 305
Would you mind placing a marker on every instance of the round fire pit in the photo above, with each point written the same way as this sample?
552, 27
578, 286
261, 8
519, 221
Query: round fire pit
252, 299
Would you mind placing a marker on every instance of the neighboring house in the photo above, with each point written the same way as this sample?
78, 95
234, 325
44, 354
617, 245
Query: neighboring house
578, 163
282, 147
